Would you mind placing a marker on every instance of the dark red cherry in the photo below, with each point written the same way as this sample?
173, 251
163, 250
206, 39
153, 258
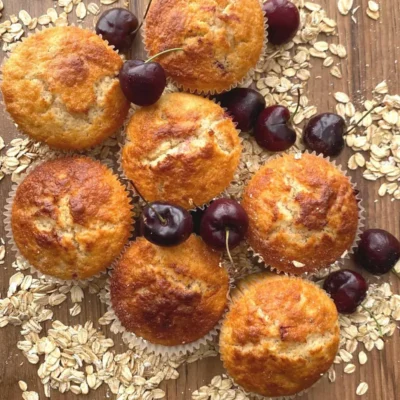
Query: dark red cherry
118, 26
244, 105
273, 130
283, 20
378, 251
142, 82
324, 134
221, 216
347, 289
165, 224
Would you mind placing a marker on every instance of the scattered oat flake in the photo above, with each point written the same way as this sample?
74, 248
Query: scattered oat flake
341, 97
362, 388
81, 11
93, 8
345, 6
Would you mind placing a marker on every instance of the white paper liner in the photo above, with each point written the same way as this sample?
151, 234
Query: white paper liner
26, 135
141, 203
134, 341
10, 236
250, 74
324, 271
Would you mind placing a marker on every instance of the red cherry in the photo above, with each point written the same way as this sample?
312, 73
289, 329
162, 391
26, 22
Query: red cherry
283, 20
273, 130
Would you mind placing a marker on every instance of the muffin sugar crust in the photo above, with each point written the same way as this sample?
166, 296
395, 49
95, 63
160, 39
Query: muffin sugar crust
61, 87
222, 40
279, 336
169, 295
71, 217
303, 213
184, 149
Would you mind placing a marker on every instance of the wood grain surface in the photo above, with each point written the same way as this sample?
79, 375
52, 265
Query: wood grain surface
373, 48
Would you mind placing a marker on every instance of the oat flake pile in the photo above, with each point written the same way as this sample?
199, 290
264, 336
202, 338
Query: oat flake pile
80, 358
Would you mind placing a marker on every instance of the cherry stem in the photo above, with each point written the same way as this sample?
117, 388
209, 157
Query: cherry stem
227, 246
298, 105
162, 220
144, 17
163, 52
373, 317
363, 117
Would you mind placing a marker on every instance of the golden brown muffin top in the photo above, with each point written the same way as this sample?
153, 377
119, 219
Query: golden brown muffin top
279, 336
222, 40
184, 149
71, 217
60, 86
169, 295
303, 213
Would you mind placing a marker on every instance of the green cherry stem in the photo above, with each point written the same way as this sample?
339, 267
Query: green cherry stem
162, 220
363, 117
298, 105
163, 52
144, 17
227, 246
378, 325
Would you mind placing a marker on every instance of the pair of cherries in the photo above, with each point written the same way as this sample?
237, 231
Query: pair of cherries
142, 82
378, 252
223, 225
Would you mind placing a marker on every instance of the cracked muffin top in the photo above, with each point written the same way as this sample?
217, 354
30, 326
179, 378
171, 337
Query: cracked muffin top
169, 295
222, 40
71, 217
280, 335
184, 149
303, 213
60, 86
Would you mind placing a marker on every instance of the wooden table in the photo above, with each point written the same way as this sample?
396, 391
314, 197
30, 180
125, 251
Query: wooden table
373, 48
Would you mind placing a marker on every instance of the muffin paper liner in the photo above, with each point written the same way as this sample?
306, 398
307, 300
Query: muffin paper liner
250, 74
10, 236
34, 141
134, 341
323, 272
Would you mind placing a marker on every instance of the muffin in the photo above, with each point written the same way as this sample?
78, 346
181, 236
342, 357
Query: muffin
303, 213
60, 86
184, 149
169, 295
221, 41
279, 336
71, 217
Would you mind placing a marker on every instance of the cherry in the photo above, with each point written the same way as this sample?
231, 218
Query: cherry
244, 105
283, 20
273, 130
324, 134
378, 251
143, 82
118, 26
165, 224
347, 289
224, 224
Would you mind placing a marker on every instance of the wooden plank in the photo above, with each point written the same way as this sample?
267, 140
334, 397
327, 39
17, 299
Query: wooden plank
374, 48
